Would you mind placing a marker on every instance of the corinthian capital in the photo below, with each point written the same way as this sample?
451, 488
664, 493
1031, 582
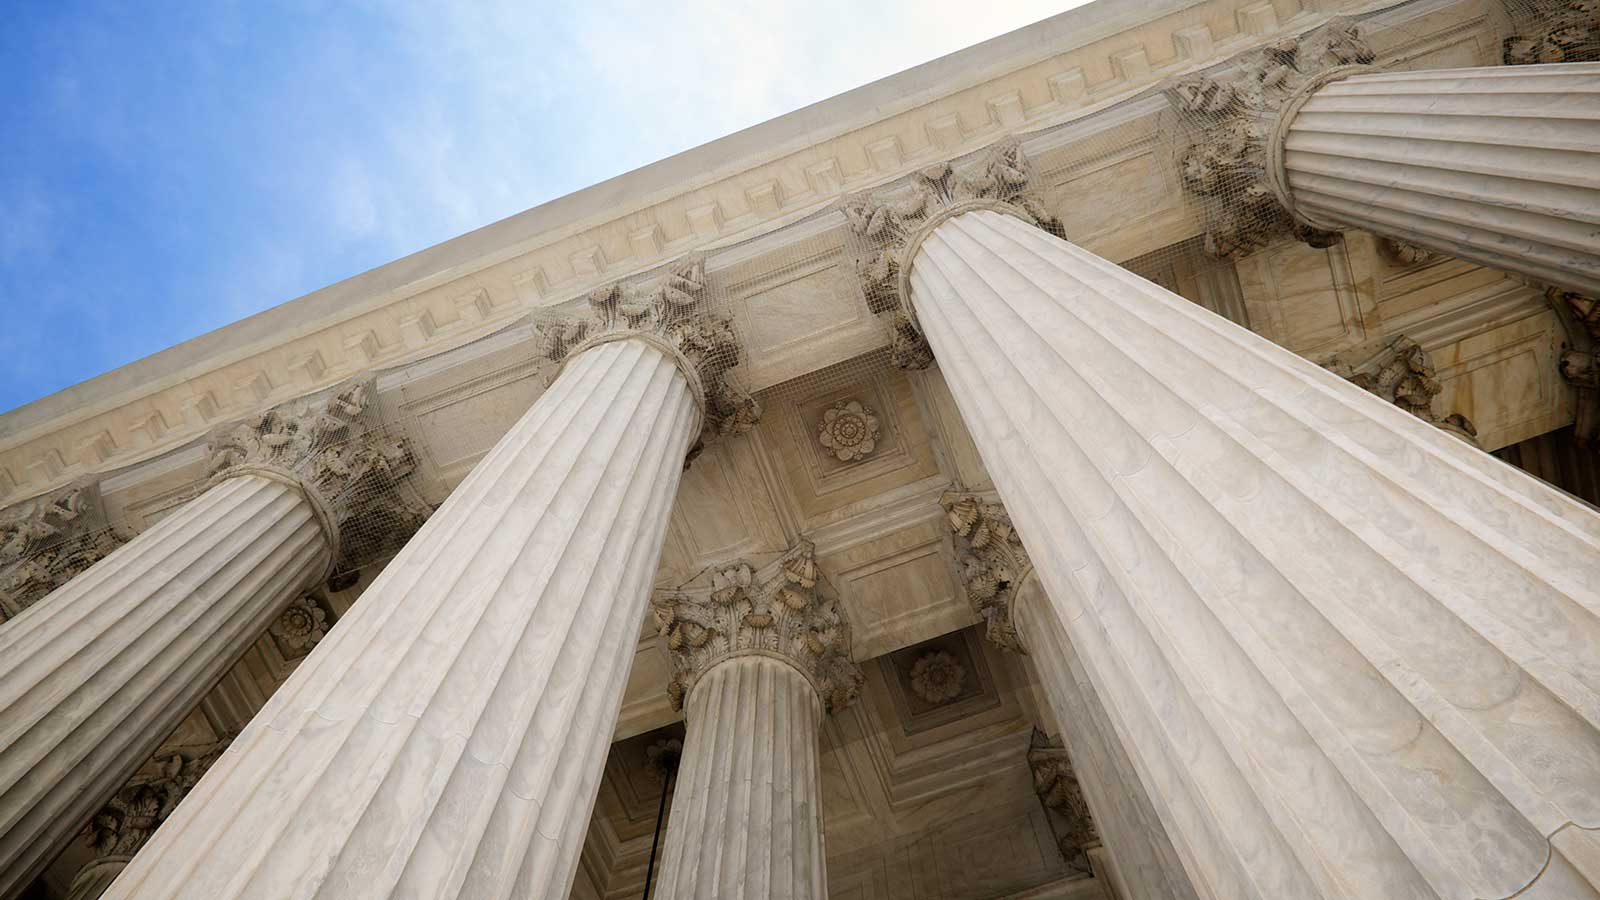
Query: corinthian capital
1232, 114
1056, 783
123, 825
46, 541
776, 610
674, 310
993, 561
886, 227
352, 470
1401, 372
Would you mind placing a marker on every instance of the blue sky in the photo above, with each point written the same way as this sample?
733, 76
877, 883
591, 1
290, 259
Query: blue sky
166, 169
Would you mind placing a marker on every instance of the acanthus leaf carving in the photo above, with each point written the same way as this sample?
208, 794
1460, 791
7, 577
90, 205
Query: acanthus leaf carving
1232, 115
882, 225
1401, 372
1555, 31
992, 559
355, 470
1056, 782
778, 610
673, 309
134, 813
46, 541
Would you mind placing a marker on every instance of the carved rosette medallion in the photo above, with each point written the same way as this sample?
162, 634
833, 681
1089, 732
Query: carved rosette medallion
1232, 113
883, 227
46, 541
675, 311
992, 559
849, 430
775, 611
937, 677
1406, 253
1056, 783
1401, 373
302, 625
123, 825
352, 471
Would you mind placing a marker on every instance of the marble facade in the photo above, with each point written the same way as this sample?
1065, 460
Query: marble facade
1066, 473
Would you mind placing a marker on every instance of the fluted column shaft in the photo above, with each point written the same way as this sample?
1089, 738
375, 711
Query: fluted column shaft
446, 740
1147, 867
96, 674
747, 814
1351, 655
1500, 166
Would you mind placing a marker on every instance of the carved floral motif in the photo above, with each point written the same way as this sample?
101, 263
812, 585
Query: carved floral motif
674, 309
849, 430
1056, 783
1406, 253
47, 541
992, 559
123, 825
881, 226
777, 610
355, 469
1401, 373
1232, 114
1557, 31
937, 677
302, 625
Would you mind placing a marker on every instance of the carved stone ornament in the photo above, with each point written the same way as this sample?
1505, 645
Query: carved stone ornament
1579, 362
353, 471
992, 559
937, 677
1056, 783
882, 226
776, 611
302, 625
1406, 253
849, 430
1232, 113
46, 541
1401, 373
1555, 31
675, 311
123, 825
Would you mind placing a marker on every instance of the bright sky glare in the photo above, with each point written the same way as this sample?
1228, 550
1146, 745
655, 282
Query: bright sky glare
167, 168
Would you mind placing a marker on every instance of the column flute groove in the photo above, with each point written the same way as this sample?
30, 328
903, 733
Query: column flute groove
96, 673
1196, 465
447, 739
759, 657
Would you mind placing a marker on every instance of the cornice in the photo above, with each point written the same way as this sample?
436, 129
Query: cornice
713, 197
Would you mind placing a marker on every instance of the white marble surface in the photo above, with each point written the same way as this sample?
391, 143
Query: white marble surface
446, 740
1144, 865
746, 815
1351, 655
95, 675
1497, 165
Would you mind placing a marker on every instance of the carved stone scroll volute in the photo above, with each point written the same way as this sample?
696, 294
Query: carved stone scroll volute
46, 541
675, 310
992, 559
1231, 115
778, 610
883, 225
353, 470
1401, 372
1056, 783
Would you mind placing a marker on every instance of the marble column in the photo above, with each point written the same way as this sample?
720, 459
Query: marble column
1003, 588
94, 675
1352, 656
447, 739
1499, 165
759, 658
